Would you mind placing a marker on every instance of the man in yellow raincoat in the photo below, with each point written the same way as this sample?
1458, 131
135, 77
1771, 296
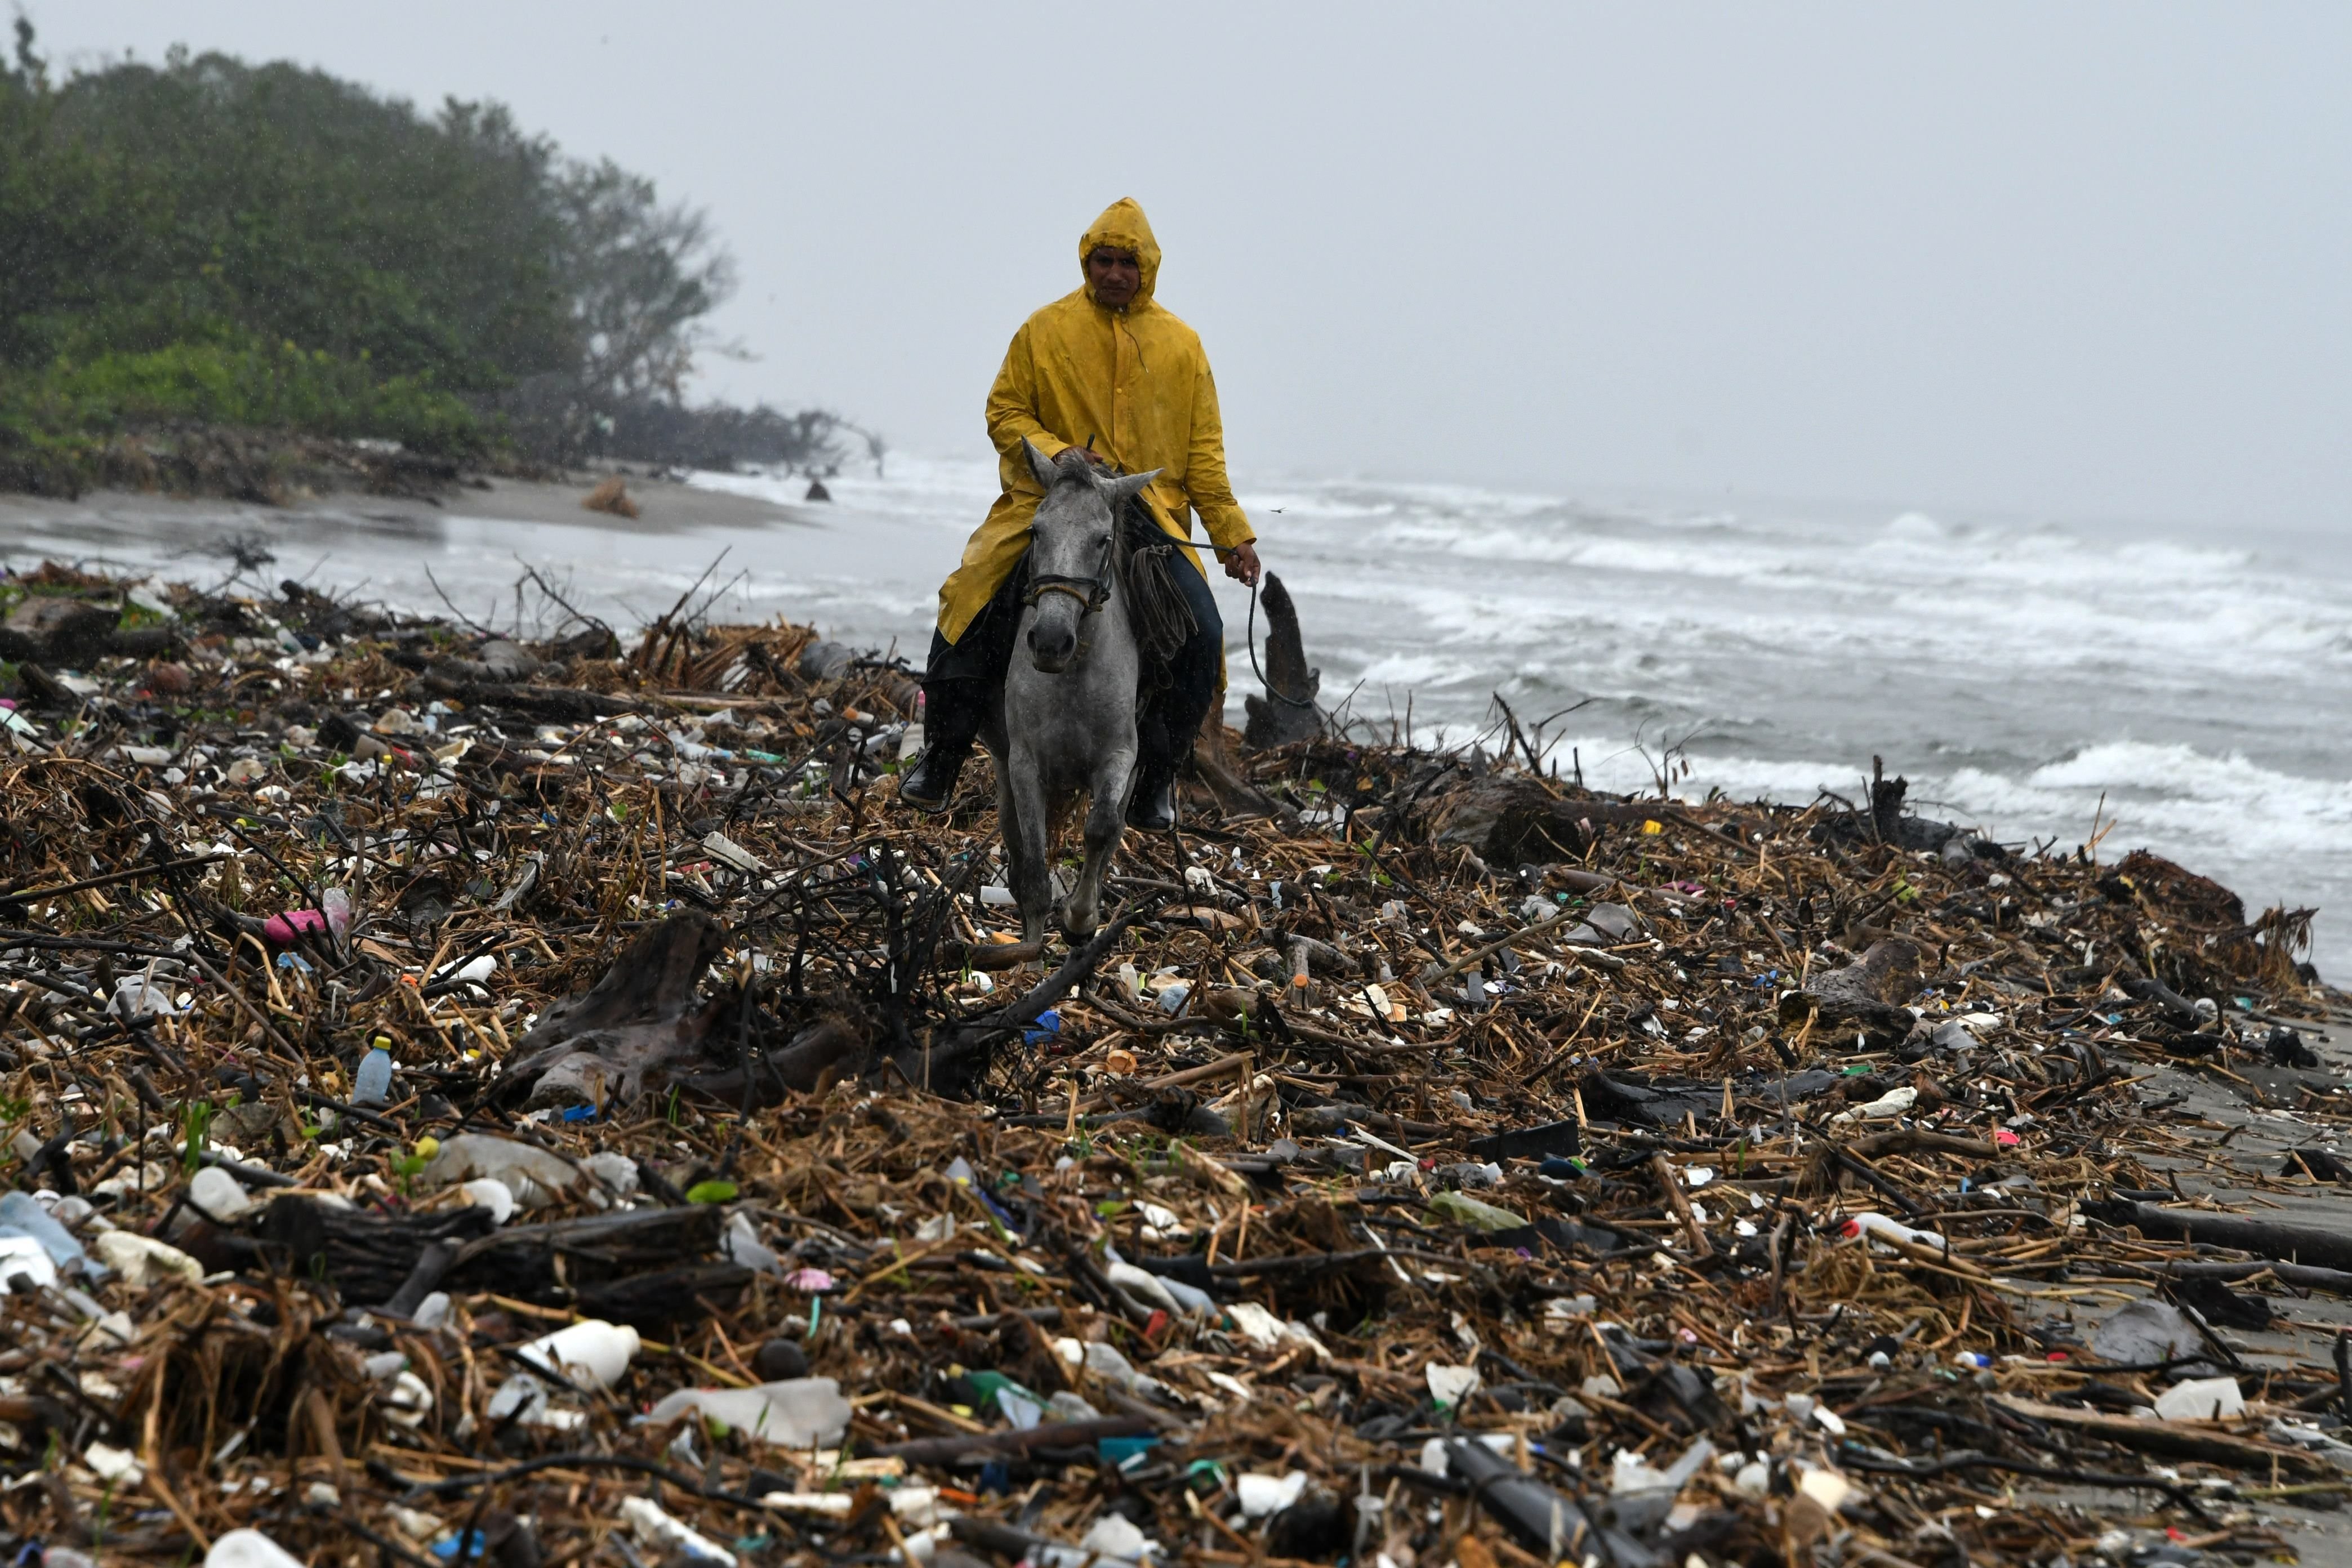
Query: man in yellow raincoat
1108, 370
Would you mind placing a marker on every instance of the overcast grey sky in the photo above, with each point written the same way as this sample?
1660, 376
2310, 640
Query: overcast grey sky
2087, 260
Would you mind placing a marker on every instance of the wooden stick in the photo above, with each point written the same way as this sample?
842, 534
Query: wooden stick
1674, 1195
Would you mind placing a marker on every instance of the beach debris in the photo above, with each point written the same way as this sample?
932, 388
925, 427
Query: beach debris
1287, 712
516, 1094
610, 496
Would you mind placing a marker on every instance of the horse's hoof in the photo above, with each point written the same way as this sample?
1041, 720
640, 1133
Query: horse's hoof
1073, 927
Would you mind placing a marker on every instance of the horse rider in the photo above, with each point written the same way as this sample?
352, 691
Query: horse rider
1110, 371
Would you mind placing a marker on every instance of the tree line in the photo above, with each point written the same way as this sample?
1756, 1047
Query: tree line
207, 241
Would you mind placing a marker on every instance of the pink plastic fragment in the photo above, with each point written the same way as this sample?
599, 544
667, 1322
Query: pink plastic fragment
284, 931
2005, 1138
280, 931
809, 1279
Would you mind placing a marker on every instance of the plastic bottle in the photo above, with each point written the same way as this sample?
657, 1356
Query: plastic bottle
655, 1527
373, 1082
594, 1353
20, 1211
1875, 1224
489, 1193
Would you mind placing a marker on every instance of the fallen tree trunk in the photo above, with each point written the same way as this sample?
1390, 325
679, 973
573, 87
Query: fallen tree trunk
2175, 1439
2265, 1239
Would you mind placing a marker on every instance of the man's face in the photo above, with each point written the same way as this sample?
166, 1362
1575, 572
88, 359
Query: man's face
1115, 276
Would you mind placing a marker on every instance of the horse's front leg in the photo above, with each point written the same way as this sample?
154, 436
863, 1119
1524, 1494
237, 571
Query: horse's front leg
1106, 821
1021, 817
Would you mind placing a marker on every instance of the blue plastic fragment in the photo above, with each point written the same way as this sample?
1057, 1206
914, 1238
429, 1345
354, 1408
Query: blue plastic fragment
579, 1113
1049, 1024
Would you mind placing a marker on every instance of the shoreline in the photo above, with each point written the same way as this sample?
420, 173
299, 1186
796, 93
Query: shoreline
866, 568
664, 506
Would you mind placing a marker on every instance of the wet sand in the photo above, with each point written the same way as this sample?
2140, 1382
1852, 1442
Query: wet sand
857, 576
2238, 1165
665, 507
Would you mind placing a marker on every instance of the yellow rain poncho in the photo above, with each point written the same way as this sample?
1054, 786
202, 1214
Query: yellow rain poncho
1135, 381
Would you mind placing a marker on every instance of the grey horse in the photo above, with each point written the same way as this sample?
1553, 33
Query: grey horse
1067, 722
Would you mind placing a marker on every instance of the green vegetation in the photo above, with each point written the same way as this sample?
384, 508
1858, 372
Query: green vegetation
212, 243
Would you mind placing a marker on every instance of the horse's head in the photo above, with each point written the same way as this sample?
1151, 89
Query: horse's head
1072, 551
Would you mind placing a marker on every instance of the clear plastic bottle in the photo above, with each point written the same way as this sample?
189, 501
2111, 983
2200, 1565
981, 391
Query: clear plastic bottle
22, 1211
373, 1083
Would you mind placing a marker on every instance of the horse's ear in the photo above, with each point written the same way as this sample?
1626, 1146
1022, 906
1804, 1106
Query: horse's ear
1120, 490
1042, 466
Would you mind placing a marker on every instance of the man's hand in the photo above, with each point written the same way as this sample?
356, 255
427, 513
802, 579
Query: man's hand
1242, 564
1101, 463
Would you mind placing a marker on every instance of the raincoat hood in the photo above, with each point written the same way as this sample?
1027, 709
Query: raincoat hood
1123, 227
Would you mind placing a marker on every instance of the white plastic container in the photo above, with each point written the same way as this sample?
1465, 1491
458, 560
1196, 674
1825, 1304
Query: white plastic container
595, 1354
792, 1414
218, 1193
2201, 1399
24, 1258
248, 1549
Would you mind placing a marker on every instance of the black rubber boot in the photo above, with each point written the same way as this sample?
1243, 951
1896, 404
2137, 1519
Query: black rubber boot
952, 711
1171, 715
1152, 806
1152, 802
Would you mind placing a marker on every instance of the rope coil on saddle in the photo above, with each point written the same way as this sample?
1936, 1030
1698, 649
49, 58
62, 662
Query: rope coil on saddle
1156, 607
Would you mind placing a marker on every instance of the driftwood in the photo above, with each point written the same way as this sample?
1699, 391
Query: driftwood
2175, 1439
1233, 796
570, 702
827, 1050
2264, 1238
1517, 819
1287, 712
1048, 1434
74, 633
639, 1025
1866, 994
636, 1260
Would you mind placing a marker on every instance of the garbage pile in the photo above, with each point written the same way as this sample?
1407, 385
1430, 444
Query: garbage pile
535, 1100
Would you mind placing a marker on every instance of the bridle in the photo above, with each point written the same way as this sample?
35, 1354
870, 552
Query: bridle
1091, 593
